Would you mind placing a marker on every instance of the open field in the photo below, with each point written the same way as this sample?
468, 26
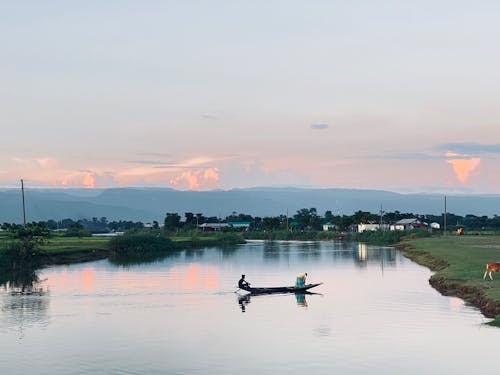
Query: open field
459, 262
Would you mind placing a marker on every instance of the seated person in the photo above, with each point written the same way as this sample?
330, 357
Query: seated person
243, 283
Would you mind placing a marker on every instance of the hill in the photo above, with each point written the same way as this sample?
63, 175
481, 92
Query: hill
148, 204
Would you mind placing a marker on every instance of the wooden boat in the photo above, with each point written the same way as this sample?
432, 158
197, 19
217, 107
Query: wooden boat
280, 289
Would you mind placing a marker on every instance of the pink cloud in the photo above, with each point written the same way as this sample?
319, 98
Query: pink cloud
462, 167
197, 179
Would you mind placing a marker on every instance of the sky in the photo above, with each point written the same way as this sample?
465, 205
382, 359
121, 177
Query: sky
200, 95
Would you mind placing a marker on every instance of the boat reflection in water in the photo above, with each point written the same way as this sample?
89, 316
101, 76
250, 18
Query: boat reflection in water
244, 300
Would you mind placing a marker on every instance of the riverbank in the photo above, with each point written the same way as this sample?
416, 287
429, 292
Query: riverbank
67, 250
459, 263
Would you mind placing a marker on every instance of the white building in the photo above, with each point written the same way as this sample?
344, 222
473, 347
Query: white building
212, 227
371, 227
328, 227
407, 224
240, 225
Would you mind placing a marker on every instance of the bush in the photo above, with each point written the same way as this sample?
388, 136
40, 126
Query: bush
18, 253
140, 243
78, 233
228, 238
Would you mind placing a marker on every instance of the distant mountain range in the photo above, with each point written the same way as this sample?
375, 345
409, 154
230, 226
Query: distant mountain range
148, 204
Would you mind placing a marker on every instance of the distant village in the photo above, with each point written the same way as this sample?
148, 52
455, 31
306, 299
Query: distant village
306, 219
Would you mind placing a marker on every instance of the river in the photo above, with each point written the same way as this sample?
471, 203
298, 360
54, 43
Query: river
375, 313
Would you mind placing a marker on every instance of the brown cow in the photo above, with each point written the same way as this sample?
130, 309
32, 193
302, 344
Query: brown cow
491, 267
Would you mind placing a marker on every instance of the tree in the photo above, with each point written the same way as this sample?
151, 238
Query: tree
365, 217
200, 219
77, 230
172, 221
34, 231
239, 217
271, 223
52, 224
329, 216
25, 241
190, 219
307, 218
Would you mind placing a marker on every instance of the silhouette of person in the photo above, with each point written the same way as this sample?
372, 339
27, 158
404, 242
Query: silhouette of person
242, 283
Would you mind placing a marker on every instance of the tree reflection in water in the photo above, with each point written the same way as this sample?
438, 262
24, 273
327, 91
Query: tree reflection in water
129, 260
24, 299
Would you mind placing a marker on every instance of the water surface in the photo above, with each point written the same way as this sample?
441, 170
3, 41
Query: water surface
375, 313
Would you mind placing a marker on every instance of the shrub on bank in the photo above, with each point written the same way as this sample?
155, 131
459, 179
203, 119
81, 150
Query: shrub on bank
229, 238
328, 235
140, 243
18, 253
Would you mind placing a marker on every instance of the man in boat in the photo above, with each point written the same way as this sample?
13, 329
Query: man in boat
242, 284
301, 280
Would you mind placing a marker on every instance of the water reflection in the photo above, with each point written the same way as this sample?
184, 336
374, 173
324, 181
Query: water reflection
272, 251
309, 250
244, 300
128, 260
368, 254
22, 280
25, 301
229, 251
301, 299
112, 319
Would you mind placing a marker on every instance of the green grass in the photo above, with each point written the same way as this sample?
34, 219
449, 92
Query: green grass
460, 263
466, 255
60, 244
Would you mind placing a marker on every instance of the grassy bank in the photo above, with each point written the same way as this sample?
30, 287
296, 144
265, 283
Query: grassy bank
459, 262
66, 250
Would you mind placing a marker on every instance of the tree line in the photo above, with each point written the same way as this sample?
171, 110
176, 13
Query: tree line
309, 219
303, 219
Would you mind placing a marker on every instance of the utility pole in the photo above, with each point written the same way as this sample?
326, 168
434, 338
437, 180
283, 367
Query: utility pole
381, 214
287, 219
24, 207
444, 233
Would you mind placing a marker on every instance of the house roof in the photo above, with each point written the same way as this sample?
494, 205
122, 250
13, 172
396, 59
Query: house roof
213, 225
407, 221
239, 222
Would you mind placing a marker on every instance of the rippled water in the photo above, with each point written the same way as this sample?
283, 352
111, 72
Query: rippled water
375, 313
